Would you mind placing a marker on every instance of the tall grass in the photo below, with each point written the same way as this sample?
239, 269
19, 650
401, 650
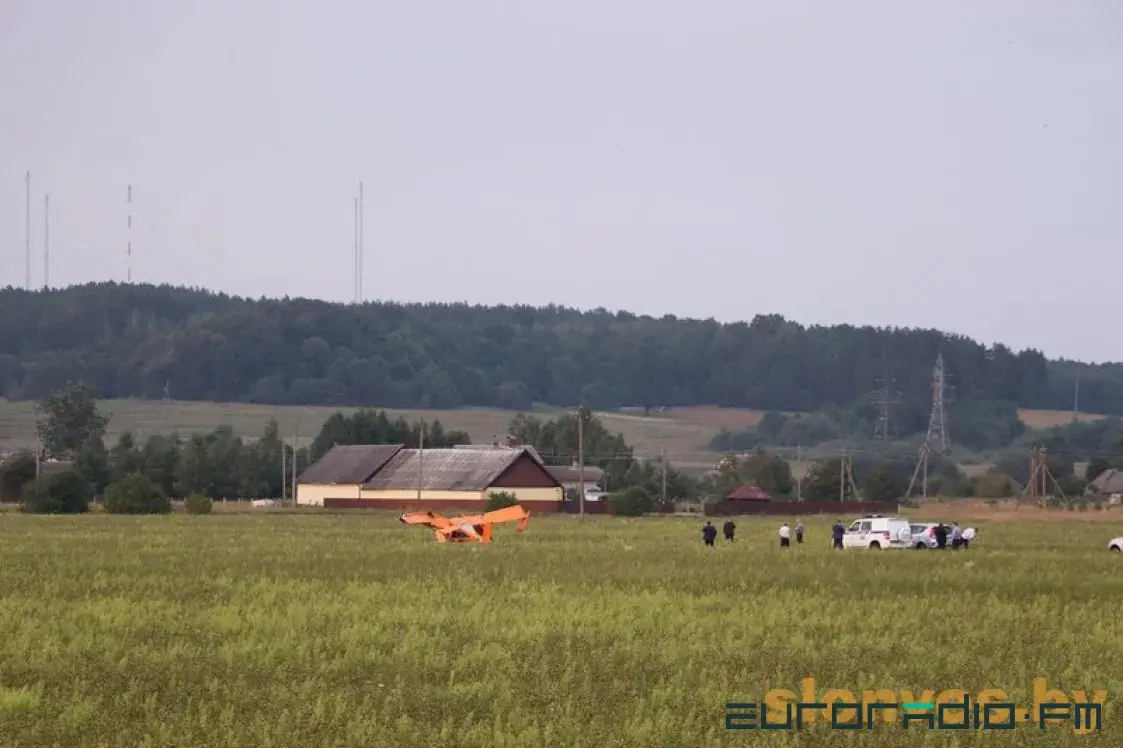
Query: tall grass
352, 630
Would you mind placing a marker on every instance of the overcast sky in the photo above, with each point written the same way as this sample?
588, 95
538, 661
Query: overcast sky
937, 163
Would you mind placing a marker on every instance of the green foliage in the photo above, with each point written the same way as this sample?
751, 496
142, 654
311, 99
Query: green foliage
136, 494
994, 486
632, 501
15, 473
556, 441
92, 463
1016, 464
371, 426
500, 500
129, 340
68, 418
824, 481
648, 475
60, 493
980, 423
765, 470
197, 503
1095, 468
885, 483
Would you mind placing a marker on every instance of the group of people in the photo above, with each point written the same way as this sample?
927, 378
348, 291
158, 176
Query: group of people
709, 533
959, 538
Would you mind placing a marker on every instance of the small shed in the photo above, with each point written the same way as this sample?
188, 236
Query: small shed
748, 492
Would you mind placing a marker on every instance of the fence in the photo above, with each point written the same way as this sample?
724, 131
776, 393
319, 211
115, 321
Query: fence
727, 508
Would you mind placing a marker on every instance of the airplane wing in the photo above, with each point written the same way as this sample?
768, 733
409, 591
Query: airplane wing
507, 514
425, 518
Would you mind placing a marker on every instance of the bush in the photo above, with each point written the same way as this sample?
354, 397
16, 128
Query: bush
994, 486
197, 503
15, 473
631, 502
61, 493
136, 494
501, 500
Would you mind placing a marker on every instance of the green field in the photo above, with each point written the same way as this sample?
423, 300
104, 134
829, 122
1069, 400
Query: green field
682, 433
281, 629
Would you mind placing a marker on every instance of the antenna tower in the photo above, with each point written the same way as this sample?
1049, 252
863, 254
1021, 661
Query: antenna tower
129, 243
27, 232
355, 255
360, 241
46, 242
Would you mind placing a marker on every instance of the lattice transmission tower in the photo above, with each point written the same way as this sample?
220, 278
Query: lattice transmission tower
886, 395
938, 438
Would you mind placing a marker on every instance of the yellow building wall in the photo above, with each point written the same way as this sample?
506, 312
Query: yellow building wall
530, 495
313, 494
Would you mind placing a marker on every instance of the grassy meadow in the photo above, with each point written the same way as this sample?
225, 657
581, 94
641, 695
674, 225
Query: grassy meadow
316, 629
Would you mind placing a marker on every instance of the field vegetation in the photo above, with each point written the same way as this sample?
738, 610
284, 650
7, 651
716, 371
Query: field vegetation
285, 629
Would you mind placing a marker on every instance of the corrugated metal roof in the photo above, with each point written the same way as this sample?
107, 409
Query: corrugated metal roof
444, 469
529, 448
352, 463
1109, 481
569, 474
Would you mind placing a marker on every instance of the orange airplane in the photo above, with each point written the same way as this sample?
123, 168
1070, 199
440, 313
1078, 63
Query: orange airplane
474, 528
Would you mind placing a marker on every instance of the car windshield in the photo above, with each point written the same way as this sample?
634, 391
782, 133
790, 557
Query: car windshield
917, 529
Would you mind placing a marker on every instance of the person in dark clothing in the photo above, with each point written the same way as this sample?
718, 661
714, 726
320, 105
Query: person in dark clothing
728, 528
836, 535
709, 532
941, 536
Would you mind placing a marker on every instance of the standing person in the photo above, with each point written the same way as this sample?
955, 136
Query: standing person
785, 536
956, 536
837, 532
729, 528
709, 532
941, 536
799, 531
968, 536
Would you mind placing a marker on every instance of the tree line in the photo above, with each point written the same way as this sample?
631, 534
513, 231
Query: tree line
142, 341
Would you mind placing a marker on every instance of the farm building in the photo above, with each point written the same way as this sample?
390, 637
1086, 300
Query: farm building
570, 480
1108, 484
341, 472
449, 479
748, 493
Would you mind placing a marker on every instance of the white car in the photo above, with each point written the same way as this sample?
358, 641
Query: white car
877, 533
1115, 544
924, 535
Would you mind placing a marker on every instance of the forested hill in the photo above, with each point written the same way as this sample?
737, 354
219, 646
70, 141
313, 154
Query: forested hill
129, 340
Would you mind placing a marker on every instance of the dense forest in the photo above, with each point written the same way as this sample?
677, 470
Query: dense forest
135, 340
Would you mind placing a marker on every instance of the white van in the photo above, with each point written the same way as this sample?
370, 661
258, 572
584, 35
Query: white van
876, 533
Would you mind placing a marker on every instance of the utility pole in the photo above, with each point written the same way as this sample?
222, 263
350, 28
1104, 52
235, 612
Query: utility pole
663, 460
937, 436
46, 242
420, 454
284, 473
581, 460
27, 232
842, 478
295, 460
1037, 487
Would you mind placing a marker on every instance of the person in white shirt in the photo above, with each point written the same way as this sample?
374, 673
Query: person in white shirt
785, 535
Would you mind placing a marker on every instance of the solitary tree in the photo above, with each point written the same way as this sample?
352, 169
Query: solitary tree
67, 419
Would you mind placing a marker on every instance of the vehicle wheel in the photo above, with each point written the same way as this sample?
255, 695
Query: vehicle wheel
1116, 548
920, 546
875, 546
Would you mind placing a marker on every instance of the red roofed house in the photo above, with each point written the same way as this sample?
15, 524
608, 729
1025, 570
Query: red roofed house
748, 493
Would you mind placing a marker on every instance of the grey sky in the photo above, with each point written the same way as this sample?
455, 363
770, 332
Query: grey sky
945, 163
